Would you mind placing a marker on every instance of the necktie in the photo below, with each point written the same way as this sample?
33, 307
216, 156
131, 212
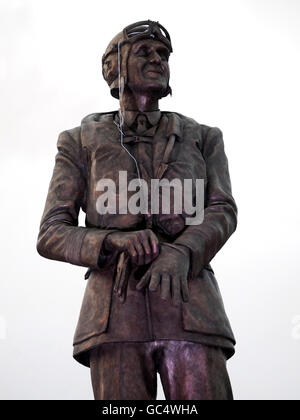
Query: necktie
141, 124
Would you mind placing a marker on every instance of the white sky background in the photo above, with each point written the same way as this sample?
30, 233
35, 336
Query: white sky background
236, 65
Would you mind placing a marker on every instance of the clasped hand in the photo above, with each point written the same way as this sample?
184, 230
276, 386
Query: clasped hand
142, 246
169, 268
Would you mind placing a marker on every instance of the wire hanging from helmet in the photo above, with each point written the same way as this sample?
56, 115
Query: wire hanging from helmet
121, 116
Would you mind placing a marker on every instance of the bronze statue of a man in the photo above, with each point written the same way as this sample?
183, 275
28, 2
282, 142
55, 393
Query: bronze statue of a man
152, 303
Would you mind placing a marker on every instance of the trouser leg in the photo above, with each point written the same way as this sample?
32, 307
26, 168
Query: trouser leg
123, 371
192, 371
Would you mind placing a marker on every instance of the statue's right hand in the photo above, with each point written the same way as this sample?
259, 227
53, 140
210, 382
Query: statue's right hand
141, 245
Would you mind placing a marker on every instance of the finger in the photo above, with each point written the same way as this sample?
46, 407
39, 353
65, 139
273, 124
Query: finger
165, 289
154, 244
144, 280
140, 251
185, 289
176, 290
117, 282
124, 277
120, 265
133, 253
155, 280
121, 283
147, 247
122, 292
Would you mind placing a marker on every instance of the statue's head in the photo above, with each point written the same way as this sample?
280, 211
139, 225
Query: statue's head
137, 58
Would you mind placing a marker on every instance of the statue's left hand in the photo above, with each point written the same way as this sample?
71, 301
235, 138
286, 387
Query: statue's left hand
170, 271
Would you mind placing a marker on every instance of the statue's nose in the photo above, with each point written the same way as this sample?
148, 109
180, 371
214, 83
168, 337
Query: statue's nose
155, 58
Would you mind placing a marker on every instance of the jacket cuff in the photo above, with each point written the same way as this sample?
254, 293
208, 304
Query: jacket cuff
197, 262
92, 245
180, 248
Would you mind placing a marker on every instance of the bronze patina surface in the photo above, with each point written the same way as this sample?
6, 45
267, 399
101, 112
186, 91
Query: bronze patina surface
152, 303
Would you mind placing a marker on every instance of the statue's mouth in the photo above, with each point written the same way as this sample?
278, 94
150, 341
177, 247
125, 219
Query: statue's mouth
154, 70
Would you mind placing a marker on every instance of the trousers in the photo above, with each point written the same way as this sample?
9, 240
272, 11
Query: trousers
188, 371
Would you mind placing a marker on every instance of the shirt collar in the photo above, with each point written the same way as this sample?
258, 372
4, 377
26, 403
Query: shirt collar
152, 116
174, 123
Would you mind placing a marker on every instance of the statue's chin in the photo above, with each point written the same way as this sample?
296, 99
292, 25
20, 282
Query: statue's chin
150, 89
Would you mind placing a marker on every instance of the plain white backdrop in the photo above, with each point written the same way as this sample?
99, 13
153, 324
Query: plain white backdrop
236, 65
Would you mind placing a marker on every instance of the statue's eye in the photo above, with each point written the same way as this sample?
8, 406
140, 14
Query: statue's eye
164, 55
142, 52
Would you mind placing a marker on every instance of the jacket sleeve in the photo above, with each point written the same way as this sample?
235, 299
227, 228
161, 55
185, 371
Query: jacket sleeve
59, 237
220, 211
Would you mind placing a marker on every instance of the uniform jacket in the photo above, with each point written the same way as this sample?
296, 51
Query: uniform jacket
93, 151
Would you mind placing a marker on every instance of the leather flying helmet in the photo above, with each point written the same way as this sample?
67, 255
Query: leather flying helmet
114, 60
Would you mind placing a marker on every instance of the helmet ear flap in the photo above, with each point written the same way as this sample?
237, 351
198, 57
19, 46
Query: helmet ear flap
167, 92
110, 72
114, 91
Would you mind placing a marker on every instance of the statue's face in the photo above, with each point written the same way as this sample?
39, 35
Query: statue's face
148, 68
